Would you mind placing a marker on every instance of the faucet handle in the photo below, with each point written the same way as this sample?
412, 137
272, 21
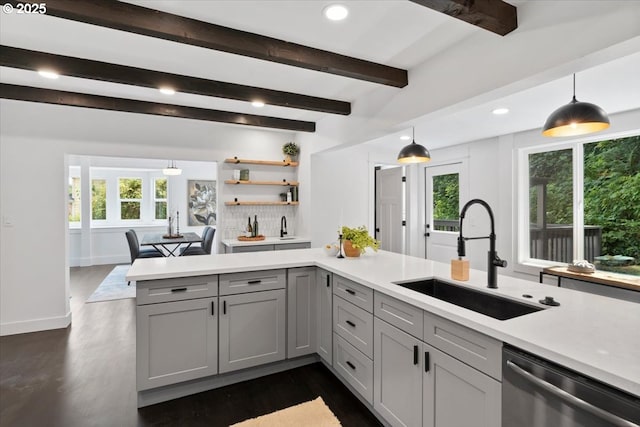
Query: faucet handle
499, 262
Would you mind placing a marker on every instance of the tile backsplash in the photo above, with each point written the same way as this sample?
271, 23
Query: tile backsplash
235, 220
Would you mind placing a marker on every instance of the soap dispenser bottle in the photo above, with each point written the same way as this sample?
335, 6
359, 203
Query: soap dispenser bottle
460, 269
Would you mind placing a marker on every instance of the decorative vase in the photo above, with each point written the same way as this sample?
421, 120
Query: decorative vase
349, 250
287, 158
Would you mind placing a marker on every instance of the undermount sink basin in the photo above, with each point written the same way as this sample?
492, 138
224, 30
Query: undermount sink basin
287, 238
481, 302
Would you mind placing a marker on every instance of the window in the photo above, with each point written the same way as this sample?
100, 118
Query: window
98, 199
160, 198
130, 191
446, 202
74, 203
584, 203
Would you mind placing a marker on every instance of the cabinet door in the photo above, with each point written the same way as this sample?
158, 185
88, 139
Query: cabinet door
324, 282
176, 341
397, 375
301, 311
457, 395
252, 329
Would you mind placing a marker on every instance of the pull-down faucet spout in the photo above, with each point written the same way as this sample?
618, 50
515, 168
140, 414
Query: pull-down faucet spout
493, 260
283, 226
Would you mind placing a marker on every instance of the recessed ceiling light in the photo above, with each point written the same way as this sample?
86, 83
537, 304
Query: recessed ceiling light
500, 111
48, 74
405, 137
257, 104
336, 12
167, 91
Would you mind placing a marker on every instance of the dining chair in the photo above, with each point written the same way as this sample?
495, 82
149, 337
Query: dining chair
136, 252
205, 248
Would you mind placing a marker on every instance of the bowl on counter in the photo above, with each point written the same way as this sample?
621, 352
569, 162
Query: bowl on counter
331, 249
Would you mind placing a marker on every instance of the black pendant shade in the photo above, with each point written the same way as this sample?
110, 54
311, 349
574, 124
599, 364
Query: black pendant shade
575, 118
414, 153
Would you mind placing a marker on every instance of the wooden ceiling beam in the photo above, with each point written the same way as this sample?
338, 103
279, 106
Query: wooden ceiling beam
96, 70
58, 97
154, 23
496, 16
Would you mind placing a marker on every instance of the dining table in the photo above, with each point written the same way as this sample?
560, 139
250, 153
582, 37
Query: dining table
169, 245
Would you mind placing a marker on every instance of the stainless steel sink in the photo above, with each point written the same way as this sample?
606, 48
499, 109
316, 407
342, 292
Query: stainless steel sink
481, 302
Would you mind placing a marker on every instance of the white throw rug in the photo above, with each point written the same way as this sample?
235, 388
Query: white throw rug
114, 286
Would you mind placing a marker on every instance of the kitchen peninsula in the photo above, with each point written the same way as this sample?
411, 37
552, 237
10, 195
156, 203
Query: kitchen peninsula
590, 334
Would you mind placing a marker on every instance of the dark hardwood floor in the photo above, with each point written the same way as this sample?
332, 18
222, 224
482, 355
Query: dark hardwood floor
85, 376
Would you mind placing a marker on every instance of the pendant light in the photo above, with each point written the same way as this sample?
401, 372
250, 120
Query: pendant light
171, 169
576, 118
414, 153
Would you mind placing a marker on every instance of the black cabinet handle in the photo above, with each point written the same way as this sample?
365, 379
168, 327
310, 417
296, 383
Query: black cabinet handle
350, 291
328, 281
415, 355
254, 282
179, 290
350, 323
213, 309
224, 307
351, 365
426, 361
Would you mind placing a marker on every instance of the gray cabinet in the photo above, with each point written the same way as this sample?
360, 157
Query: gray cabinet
301, 311
176, 341
252, 329
324, 317
397, 372
455, 394
266, 247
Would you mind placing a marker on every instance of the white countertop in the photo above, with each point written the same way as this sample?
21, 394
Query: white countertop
595, 335
266, 241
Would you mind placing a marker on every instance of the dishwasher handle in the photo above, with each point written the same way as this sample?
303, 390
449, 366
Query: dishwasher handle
568, 397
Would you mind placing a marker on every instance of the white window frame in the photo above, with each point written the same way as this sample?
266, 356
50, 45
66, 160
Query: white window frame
120, 200
74, 172
107, 216
154, 179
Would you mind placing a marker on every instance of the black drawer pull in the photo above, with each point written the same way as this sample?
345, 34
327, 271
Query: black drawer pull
328, 281
213, 309
415, 355
254, 282
351, 365
350, 291
179, 290
426, 361
224, 307
350, 323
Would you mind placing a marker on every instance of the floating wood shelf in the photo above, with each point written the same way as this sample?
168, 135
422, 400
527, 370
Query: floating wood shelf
249, 203
235, 160
283, 182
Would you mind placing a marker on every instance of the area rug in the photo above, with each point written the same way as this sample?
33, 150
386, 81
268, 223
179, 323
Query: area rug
314, 413
114, 286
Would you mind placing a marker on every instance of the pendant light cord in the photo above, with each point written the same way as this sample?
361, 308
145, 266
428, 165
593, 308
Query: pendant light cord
574, 88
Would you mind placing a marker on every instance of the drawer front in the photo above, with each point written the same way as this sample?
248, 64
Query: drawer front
354, 367
253, 281
354, 325
178, 289
353, 292
400, 314
285, 246
254, 248
471, 347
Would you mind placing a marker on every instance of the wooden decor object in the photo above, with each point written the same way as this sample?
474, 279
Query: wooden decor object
251, 239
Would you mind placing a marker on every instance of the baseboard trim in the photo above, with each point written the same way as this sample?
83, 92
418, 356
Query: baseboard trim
35, 325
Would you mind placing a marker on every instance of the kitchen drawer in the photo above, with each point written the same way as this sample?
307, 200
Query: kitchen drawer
354, 325
178, 289
353, 292
253, 281
354, 367
285, 246
252, 248
471, 347
400, 314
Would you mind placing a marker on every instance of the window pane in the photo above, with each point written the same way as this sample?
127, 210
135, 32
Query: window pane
75, 204
131, 188
161, 210
551, 206
98, 199
161, 188
446, 202
612, 204
129, 210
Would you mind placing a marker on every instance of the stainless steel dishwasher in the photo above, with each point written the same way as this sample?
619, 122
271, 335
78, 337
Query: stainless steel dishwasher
538, 393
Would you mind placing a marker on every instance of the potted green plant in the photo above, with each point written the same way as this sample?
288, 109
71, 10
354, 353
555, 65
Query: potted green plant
290, 149
356, 240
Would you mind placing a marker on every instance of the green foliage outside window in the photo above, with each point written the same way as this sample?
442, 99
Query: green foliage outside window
98, 199
160, 189
130, 196
446, 199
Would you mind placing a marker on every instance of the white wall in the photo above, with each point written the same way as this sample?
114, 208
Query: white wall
34, 238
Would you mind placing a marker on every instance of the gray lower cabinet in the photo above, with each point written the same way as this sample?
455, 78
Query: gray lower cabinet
301, 311
324, 317
397, 375
456, 394
252, 329
176, 341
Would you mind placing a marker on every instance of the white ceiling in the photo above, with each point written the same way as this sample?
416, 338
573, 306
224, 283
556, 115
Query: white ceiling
398, 33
